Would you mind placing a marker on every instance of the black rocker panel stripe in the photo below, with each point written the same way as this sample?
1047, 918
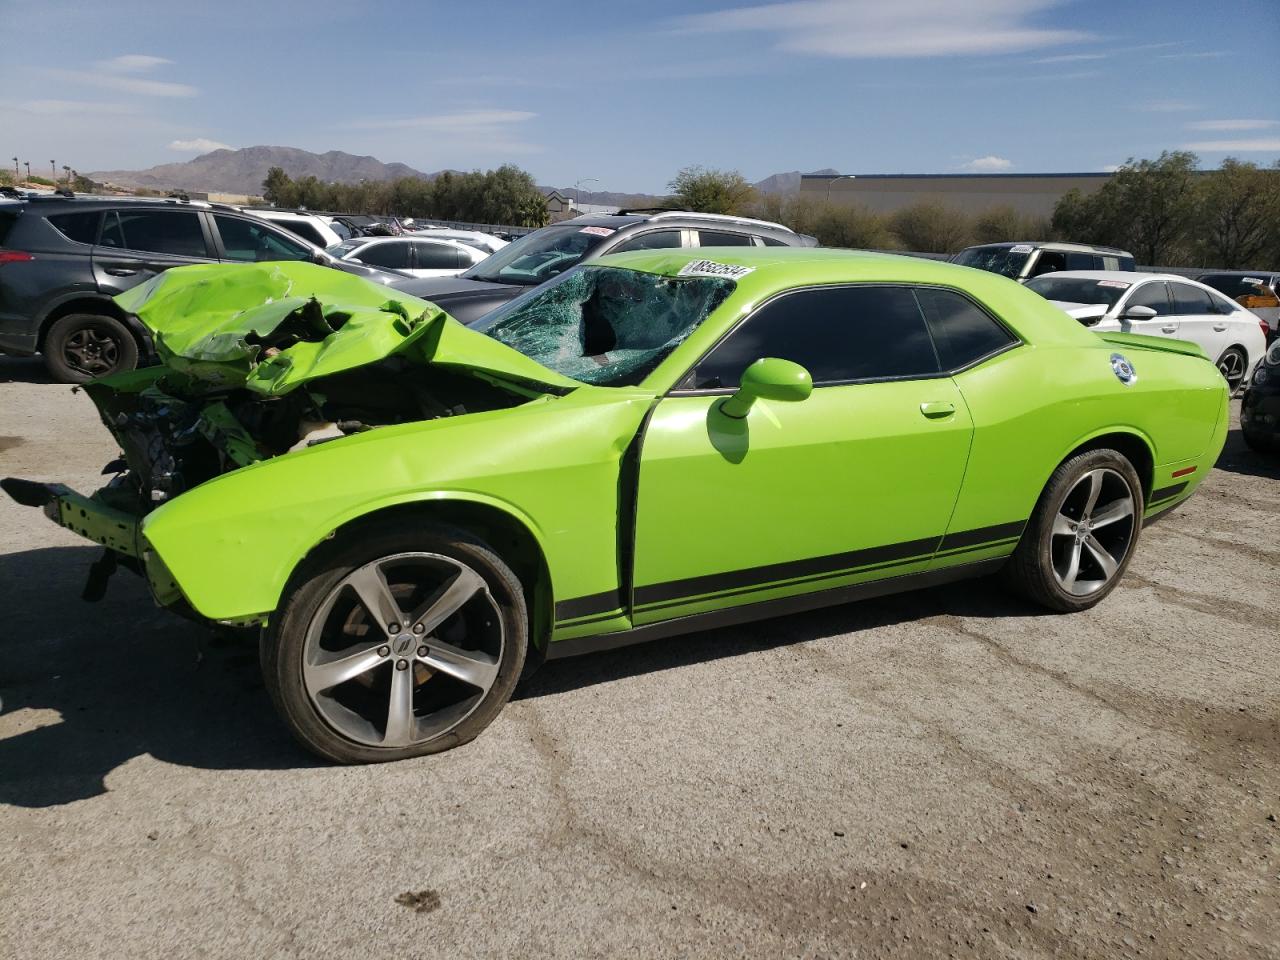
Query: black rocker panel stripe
1164, 493
579, 607
813, 567
971, 538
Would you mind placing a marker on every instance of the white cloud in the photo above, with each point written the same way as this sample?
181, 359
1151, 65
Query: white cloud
68, 108
198, 145
106, 79
1072, 58
1206, 55
1112, 167
1257, 145
1221, 125
1166, 106
988, 164
905, 28
466, 121
132, 63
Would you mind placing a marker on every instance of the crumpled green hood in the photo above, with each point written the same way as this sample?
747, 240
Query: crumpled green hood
271, 327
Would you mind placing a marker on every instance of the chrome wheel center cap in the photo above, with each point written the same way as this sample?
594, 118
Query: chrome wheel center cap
402, 642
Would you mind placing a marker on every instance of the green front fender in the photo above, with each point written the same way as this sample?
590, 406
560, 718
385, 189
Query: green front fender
232, 543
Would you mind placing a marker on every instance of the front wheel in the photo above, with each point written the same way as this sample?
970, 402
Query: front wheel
1082, 534
401, 642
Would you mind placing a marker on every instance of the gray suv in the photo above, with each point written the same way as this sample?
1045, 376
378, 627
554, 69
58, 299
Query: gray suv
537, 257
62, 259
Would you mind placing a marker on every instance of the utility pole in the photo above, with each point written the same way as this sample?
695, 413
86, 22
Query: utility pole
16, 175
53, 172
66, 169
28, 165
830, 182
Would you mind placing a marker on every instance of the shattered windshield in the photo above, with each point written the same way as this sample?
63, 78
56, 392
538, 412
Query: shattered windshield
606, 325
541, 255
1006, 261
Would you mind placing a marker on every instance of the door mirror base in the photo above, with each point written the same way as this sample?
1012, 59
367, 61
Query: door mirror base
769, 378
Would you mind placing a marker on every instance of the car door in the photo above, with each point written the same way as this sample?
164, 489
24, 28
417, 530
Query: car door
1153, 294
435, 259
856, 482
652, 240
1199, 319
136, 244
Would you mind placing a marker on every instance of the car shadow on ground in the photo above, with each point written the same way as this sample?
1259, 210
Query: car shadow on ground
98, 684
23, 370
1237, 457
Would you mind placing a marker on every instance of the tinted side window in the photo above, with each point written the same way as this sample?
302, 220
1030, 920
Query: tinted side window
837, 334
715, 238
1151, 295
658, 240
1083, 261
175, 232
394, 255
1188, 299
438, 256
80, 227
962, 333
7, 220
1049, 261
244, 240
773, 242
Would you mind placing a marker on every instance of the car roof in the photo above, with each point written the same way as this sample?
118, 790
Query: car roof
676, 218
1237, 273
1129, 276
1054, 245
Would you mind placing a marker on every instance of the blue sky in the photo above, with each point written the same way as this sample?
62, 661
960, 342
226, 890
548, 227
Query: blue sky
625, 93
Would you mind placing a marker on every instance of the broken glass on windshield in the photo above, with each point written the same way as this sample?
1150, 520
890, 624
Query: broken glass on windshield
606, 325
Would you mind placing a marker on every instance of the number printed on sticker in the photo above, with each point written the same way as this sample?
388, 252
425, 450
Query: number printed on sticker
710, 268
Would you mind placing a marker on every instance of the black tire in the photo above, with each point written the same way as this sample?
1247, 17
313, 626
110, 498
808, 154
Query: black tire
1261, 442
1233, 365
291, 639
83, 346
1035, 569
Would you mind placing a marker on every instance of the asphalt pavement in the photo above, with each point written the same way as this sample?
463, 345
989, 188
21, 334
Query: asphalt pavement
948, 772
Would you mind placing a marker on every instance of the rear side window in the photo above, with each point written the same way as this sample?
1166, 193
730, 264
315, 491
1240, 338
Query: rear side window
174, 232
773, 242
1191, 300
837, 334
1084, 261
80, 227
1049, 261
962, 332
438, 256
716, 238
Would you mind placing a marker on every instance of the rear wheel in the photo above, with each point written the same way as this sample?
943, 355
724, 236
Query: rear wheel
402, 642
1082, 533
1232, 365
82, 346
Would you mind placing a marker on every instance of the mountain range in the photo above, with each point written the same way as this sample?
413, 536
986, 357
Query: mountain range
242, 171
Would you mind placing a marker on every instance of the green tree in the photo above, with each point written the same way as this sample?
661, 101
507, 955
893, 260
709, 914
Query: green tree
1006, 223
275, 189
1239, 210
931, 227
711, 191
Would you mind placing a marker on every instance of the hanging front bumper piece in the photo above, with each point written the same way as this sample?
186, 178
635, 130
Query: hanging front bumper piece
116, 529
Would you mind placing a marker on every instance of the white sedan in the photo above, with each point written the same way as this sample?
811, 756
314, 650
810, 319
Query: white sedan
1161, 305
412, 255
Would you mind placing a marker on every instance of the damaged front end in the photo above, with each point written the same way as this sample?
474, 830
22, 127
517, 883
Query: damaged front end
258, 361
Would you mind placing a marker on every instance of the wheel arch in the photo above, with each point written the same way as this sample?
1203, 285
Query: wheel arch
1134, 446
510, 535
92, 304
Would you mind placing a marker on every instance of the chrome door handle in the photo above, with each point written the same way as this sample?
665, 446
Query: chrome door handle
1168, 329
1219, 327
937, 409
120, 272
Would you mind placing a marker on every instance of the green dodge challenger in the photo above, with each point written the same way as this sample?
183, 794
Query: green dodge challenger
654, 443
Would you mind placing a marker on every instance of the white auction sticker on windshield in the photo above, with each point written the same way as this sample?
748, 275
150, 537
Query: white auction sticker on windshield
1118, 284
598, 231
709, 268
1254, 280
1022, 248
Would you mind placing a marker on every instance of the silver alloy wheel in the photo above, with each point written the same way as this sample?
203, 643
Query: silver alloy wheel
92, 351
403, 649
1092, 532
1231, 366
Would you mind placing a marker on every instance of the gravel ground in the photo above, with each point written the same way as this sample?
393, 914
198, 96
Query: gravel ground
948, 772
